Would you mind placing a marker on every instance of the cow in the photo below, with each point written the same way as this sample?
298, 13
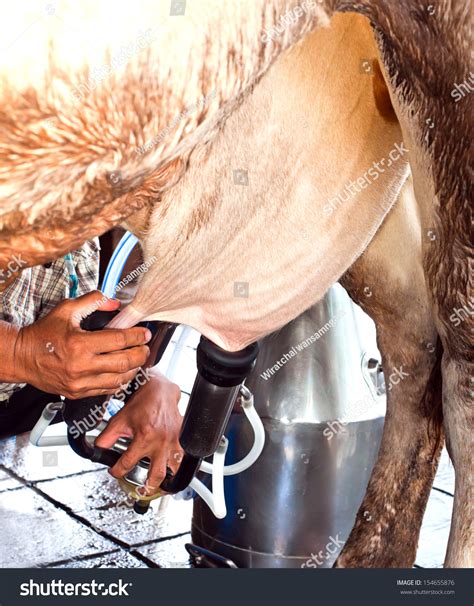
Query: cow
279, 145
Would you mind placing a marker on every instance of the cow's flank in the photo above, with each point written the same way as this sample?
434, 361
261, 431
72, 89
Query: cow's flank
79, 96
318, 155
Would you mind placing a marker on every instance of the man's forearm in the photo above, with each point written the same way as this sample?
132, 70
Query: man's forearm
10, 369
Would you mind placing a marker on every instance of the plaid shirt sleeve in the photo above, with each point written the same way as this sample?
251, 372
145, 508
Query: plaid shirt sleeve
39, 289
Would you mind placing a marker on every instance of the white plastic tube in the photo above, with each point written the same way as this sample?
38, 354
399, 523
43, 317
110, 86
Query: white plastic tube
255, 451
36, 436
43, 441
215, 500
220, 509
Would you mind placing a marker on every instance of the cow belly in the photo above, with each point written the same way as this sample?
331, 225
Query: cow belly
290, 193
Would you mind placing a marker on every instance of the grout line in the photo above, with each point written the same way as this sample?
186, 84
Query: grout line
131, 552
449, 494
3, 468
146, 560
160, 540
31, 483
5, 490
24, 483
79, 559
71, 475
142, 558
77, 517
84, 522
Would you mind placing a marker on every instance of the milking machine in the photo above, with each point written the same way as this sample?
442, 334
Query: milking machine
323, 414
292, 497
217, 387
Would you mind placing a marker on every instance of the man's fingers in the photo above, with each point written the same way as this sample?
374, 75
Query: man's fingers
156, 474
89, 393
111, 434
98, 385
109, 380
127, 461
122, 361
114, 339
175, 457
106, 304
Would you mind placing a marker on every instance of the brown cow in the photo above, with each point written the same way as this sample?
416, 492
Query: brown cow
265, 142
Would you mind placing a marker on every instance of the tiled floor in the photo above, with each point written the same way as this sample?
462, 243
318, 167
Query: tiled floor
58, 510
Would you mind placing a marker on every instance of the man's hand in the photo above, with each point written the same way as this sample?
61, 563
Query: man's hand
54, 354
152, 419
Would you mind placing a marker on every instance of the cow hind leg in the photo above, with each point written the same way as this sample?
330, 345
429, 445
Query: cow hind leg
451, 285
387, 281
434, 126
459, 423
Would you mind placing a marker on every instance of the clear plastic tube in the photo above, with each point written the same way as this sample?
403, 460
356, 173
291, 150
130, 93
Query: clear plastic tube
112, 278
177, 351
116, 264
